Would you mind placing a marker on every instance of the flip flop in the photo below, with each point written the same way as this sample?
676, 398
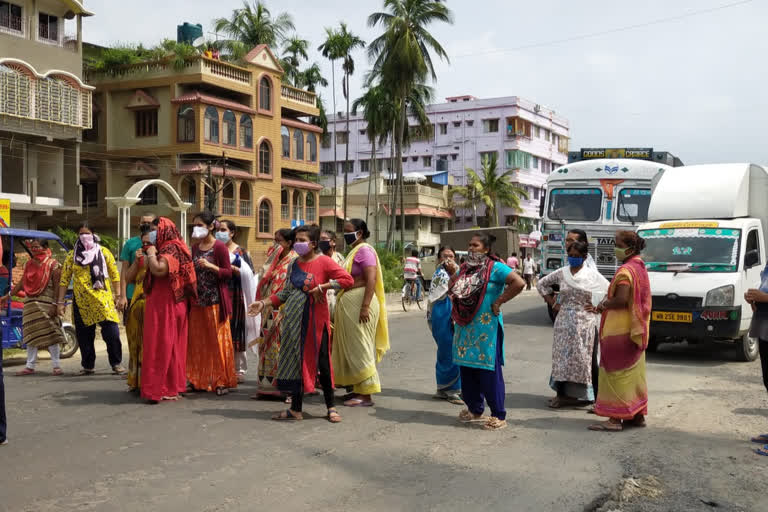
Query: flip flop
358, 402
761, 439
466, 417
84, 372
30, 371
603, 427
494, 423
57, 372
286, 416
331, 418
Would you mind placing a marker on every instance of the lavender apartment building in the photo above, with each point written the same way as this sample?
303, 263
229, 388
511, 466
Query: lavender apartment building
526, 137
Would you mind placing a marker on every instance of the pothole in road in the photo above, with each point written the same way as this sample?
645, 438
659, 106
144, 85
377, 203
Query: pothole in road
628, 490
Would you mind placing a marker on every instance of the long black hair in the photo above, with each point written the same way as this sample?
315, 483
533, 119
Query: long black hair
487, 240
360, 225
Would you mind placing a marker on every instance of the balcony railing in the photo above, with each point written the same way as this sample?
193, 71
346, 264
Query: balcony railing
284, 212
228, 206
298, 95
419, 189
198, 64
245, 208
225, 70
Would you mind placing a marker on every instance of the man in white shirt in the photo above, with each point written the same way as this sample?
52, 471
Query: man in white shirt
528, 268
412, 271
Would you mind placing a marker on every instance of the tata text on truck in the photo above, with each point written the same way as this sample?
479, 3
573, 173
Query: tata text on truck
705, 246
599, 196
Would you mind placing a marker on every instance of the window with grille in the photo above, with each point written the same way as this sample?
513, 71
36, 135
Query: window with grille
186, 123
230, 128
246, 132
146, 123
265, 94
10, 17
211, 125
265, 217
48, 27
265, 158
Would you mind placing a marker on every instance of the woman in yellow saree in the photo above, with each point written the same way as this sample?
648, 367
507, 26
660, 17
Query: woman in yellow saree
361, 336
623, 394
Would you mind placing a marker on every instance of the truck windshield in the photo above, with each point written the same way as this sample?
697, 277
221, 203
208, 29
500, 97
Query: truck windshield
633, 205
691, 249
575, 204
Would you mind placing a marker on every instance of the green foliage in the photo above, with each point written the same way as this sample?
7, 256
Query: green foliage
69, 237
391, 269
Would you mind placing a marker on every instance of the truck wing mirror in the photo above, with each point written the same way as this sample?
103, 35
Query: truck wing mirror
751, 259
541, 206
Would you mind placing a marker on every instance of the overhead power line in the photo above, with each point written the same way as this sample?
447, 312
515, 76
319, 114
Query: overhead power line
580, 37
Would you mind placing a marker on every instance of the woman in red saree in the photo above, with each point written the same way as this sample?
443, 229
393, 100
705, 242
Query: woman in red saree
169, 286
622, 395
271, 283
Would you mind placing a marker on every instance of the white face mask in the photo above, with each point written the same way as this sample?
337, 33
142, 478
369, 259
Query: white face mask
199, 232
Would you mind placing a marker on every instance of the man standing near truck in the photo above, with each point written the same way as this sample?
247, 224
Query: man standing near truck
528, 269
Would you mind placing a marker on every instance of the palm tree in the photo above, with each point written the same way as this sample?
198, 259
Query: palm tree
253, 25
491, 189
402, 56
295, 51
311, 77
331, 50
378, 114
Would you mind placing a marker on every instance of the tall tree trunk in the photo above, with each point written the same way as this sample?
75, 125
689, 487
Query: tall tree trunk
376, 198
403, 124
391, 189
335, 170
371, 173
346, 158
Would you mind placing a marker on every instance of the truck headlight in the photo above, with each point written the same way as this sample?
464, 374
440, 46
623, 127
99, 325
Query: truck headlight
722, 296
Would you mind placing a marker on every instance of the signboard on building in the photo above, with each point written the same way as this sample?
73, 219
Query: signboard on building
5, 213
638, 153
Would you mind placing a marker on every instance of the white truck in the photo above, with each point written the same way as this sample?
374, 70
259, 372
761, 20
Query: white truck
599, 196
705, 246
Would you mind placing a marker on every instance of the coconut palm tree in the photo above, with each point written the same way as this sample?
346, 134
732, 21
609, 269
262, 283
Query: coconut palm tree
311, 77
294, 52
253, 25
491, 189
331, 50
402, 55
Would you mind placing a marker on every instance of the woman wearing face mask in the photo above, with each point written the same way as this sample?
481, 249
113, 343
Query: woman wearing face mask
96, 281
41, 325
477, 293
242, 292
361, 335
440, 323
210, 357
170, 287
574, 330
626, 316
305, 331
271, 283
134, 321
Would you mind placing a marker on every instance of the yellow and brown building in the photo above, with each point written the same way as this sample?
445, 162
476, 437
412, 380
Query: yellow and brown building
199, 125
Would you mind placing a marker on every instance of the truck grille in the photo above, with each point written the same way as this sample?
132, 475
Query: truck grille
661, 302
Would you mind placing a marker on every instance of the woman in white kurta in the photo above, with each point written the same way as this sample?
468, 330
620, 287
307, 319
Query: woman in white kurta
574, 331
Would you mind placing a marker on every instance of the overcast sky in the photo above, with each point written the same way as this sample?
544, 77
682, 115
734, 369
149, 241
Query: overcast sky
695, 85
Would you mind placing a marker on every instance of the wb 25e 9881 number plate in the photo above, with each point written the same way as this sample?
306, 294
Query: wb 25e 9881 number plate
671, 316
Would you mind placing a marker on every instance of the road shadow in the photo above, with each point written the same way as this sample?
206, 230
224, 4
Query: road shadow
703, 355
752, 412
534, 317
97, 396
422, 417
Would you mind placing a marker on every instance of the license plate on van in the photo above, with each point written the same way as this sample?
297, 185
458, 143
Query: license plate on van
672, 316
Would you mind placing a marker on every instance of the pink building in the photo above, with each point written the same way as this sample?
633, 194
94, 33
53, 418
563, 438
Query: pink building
528, 138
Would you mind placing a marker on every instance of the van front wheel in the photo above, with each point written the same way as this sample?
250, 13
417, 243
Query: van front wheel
748, 348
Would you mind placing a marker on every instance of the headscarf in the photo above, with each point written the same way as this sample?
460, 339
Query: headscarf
468, 289
88, 252
587, 279
181, 269
37, 271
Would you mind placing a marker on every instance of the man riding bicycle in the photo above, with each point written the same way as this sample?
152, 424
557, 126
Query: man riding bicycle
412, 273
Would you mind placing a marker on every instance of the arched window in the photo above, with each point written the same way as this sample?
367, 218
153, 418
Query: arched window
265, 94
285, 141
185, 121
310, 217
312, 143
265, 158
230, 128
211, 125
284, 204
298, 143
245, 200
265, 217
189, 191
228, 199
246, 132
298, 206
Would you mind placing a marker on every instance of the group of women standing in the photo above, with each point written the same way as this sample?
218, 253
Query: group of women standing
618, 314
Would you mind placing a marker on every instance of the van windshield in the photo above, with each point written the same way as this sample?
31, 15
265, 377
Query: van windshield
691, 249
633, 205
582, 204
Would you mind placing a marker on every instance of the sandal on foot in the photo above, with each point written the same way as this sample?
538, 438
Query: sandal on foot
286, 415
358, 402
221, 391
85, 372
560, 402
25, 371
761, 439
333, 416
494, 423
57, 372
638, 421
606, 426
454, 399
466, 416
118, 370
170, 398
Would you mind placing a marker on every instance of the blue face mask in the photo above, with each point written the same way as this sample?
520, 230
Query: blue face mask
153, 237
573, 261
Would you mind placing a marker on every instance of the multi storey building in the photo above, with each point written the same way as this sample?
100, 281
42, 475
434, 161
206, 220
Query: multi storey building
527, 138
204, 125
44, 108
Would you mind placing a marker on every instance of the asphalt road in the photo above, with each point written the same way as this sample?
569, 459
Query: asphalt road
84, 443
